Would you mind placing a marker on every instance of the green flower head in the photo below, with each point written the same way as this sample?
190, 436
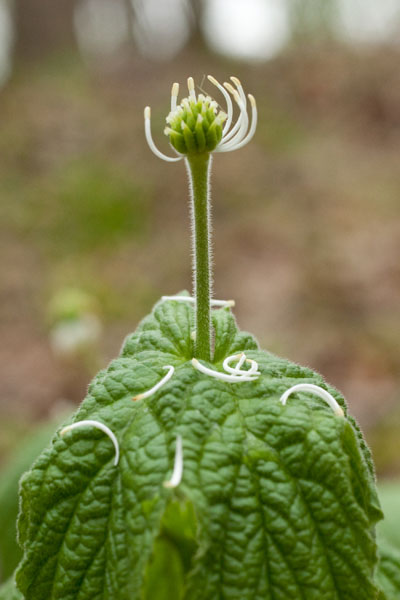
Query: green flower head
197, 125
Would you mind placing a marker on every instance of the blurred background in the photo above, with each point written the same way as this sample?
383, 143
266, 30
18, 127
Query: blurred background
94, 228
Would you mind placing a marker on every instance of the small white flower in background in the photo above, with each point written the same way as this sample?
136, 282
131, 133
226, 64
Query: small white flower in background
197, 126
75, 325
68, 337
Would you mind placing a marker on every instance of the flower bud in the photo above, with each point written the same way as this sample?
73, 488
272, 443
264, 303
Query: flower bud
195, 126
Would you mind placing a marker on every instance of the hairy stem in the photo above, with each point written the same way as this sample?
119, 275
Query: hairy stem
199, 168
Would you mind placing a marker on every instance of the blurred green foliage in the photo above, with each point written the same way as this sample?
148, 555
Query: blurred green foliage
389, 494
70, 303
89, 205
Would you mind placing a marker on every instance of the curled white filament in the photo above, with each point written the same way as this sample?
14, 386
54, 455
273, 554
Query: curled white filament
178, 465
235, 374
149, 138
191, 300
174, 95
227, 100
156, 387
318, 391
237, 370
100, 426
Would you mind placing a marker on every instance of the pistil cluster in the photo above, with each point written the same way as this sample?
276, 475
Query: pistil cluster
197, 125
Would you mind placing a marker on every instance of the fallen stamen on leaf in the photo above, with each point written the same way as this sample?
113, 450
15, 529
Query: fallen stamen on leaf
241, 359
156, 387
318, 391
191, 300
224, 376
178, 465
237, 370
100, 426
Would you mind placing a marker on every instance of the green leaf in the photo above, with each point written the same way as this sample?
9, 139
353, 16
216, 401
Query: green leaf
165, 576
19, 462
276, 502
388, 574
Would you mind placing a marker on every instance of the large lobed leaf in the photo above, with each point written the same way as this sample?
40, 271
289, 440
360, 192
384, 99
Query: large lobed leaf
276, 502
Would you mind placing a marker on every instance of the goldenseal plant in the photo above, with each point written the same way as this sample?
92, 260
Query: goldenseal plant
200, 467
195, 129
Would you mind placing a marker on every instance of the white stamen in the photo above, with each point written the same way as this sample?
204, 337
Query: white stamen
252, 129
156, 387
234, 370
233, 136
237, 369
153, 147
242, 358
227, 100
222, 376
191, 300
190, 84
229, 144
318, 391
243, 121
236, 126
100, 426
232, 91
228, 303
236, 81
174, 96
178, 465
239, 87
253, 367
